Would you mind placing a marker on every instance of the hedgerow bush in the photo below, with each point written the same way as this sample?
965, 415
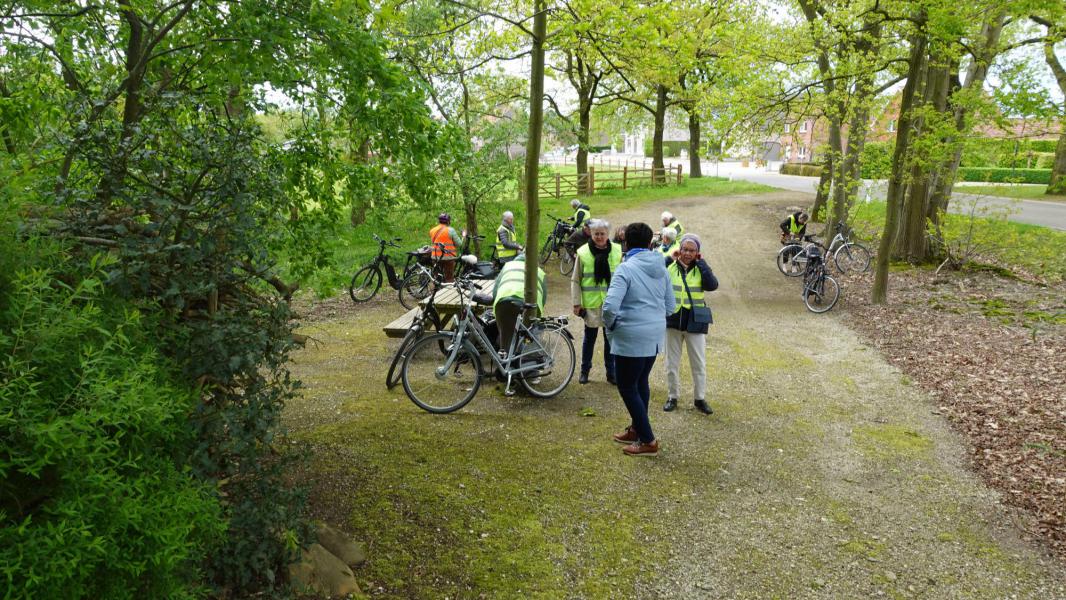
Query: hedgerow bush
95, 497
997, 175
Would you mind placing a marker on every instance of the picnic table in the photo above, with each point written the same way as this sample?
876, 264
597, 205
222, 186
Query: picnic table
447, 302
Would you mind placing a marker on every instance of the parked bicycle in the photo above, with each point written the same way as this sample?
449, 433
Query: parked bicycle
423, 322
848, 255
367, 281
540, 358
820, 290
793, 257
554, 244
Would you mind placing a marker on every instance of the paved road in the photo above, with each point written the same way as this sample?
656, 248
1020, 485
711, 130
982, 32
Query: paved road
1048, 214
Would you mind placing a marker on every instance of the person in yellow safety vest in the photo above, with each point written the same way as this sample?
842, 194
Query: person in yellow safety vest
668, 235
582, 213
507, 246
794, 226
669, 220
508, 293
691, 277
596, 261
445, 234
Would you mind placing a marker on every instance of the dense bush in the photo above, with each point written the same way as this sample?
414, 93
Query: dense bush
877, 160
1006, 153
803, 169
996, 175
670, 148
95, 497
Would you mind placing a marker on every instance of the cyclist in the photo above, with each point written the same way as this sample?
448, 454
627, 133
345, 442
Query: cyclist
445, 234
669, 220
795, 226
596, 261
507, 246
582, 212
508, 296
668, 235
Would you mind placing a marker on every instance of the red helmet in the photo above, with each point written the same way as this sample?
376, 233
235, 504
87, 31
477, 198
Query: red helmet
444, 218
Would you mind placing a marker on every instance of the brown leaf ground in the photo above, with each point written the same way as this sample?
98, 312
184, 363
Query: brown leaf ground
992, 352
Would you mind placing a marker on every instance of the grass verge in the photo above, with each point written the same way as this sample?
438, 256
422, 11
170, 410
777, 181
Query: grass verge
1030, 248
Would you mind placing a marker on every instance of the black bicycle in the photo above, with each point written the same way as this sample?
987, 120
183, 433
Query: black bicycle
367, 281
820, 291
554, 243
423, 322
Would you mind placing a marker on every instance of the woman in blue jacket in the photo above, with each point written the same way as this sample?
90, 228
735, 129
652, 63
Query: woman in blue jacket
638, 301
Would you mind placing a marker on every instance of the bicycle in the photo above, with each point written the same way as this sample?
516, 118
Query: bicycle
425, 277
820, 290
420, 324
540, 358
560, 231
792, 258
367, 280
848, 255
567, 258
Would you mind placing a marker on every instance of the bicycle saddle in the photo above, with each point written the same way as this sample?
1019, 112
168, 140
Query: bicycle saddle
482, 299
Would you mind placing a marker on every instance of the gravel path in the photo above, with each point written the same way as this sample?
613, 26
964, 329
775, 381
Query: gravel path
822, 474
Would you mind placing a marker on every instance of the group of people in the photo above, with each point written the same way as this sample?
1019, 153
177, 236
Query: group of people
646, 300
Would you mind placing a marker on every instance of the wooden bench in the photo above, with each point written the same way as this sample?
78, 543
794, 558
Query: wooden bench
447, 302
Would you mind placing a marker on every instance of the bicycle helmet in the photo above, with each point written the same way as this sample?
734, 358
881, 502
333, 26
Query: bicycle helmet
444, 218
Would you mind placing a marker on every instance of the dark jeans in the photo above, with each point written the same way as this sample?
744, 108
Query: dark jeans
588, 346
507, 312
632, 374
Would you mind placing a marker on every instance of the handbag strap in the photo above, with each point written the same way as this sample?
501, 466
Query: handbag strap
684, 281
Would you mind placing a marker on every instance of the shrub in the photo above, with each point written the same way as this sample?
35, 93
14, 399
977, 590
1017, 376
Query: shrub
877, 160
998, 175
94, 501
670, 148
1044, 160
802, 169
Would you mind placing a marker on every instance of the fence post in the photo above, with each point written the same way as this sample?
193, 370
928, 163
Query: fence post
625, 176
679, 174
592, 180
556, 186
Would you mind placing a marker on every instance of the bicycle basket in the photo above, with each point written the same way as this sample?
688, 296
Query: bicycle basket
424, 256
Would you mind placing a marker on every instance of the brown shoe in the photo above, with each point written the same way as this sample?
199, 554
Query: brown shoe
628, 436
639, 449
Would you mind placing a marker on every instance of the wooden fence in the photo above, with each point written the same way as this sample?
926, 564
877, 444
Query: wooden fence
606, 178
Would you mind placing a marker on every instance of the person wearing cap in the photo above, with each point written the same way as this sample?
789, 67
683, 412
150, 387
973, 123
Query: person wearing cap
669, 220
582, 212
507, 246
596, 261
444, 234
691, 276
669, 236
795, 226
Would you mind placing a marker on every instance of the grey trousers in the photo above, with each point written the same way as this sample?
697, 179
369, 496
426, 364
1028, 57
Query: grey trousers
697, 362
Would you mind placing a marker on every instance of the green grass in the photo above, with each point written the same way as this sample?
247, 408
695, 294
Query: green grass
1032, 248
353, 248
1022, 191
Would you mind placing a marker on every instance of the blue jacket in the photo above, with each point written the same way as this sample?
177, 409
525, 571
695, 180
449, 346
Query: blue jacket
638, 301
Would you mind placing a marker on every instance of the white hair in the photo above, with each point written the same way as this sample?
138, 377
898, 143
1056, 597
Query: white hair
595, 224
508, 214
575, 203
669, 232
667, 215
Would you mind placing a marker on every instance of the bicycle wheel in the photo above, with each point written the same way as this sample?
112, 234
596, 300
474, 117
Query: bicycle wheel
821, 294
429, 321
566, 262
852, 257
557, 360
365, 284
546, 251
433, 390
415, 288
791, 260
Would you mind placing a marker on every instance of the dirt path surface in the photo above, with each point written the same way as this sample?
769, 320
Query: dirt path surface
822, 474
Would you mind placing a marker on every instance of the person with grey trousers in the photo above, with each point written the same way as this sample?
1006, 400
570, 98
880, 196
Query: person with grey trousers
638, 301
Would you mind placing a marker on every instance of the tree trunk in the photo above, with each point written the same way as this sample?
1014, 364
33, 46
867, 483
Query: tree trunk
822, 195
694, 171
1058, 170
915, 67
657, 164
835, 157
913, 244
584, 120
536, 121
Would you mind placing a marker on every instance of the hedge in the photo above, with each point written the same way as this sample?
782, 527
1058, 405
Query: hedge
802, 169
997, 175
1006, 153
671, 148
